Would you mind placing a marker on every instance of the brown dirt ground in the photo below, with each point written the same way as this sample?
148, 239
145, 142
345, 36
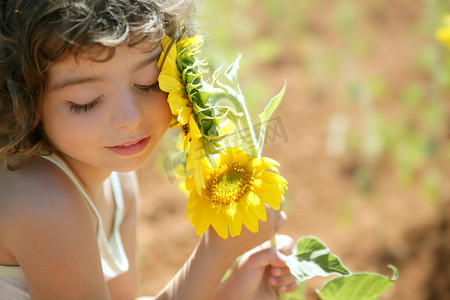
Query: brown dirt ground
394, 225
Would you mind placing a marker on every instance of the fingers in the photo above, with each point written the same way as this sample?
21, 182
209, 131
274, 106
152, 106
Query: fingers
282, 279
279, 271
273, 264
265, 257
285, 244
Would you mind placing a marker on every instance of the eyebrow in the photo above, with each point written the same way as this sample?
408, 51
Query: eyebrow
72, 81
75, 80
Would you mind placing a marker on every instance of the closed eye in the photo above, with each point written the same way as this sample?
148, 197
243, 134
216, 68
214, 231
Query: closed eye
149, 88
79, 108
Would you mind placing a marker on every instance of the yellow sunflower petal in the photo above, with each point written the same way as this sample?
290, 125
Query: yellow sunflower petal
195, 40
201, 218
169, 78
269, 197
193, 129
257, 206
165, 43
269, 178
176, 100
194, 166
168, 83
219, 223
275, 186
235, 219
249, 218
194, 201
235, 155
265, 163
184, 114
234, 191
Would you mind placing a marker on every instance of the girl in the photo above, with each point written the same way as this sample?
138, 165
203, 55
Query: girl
80, 101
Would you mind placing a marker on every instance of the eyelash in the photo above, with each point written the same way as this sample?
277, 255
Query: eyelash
78, 108
149, 88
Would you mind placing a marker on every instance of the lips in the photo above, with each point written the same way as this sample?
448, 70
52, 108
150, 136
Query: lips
131, 147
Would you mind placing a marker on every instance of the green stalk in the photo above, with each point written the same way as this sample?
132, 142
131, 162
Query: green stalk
247, 127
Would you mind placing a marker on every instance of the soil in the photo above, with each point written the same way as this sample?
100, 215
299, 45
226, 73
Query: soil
389, 223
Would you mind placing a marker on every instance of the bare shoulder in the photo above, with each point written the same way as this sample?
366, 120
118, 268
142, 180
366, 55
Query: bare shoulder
37, 193
45, 224
35, 186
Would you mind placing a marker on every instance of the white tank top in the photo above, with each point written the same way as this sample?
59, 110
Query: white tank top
13, 285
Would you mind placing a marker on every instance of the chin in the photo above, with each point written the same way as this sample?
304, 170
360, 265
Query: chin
129, 166
132, 164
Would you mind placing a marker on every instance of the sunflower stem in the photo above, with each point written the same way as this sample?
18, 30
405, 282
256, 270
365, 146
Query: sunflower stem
249, 137
273, 241
248, 134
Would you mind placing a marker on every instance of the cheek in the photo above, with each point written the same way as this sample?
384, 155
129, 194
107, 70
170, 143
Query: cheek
63, 131
160, 111
167, 113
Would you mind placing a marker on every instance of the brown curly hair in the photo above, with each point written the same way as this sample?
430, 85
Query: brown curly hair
35, 33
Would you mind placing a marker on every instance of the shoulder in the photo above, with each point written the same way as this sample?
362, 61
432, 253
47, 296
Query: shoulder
46, 224
38, 194
38, 183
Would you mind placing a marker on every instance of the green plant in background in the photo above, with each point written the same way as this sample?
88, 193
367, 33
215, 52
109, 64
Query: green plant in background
311, 258
404, 128
232, 190
416, 139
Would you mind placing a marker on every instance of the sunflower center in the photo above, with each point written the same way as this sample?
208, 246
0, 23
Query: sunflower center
229, 183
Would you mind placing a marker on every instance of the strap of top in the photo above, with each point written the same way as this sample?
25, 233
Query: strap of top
62, 165
114, 259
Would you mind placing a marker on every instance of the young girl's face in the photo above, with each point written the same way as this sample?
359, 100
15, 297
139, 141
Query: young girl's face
108, 114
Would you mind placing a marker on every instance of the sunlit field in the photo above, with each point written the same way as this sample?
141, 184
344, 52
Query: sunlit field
362, 135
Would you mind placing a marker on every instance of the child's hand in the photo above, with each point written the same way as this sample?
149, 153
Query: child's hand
260, 273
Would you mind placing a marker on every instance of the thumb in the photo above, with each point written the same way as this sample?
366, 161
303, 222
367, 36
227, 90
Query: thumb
265, 257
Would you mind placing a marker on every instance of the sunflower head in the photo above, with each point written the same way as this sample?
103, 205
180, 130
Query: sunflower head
237, 188
443, 33
229, 183
233, 189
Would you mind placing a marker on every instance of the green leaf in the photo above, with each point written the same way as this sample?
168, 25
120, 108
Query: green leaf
264, 117
231, 73
313, 259
232, 70
358, 286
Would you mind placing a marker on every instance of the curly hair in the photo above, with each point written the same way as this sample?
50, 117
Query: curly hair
36, 33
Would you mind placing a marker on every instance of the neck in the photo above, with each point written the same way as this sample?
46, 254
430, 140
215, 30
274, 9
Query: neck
91, 177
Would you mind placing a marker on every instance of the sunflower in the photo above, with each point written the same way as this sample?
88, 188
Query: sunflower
235, 193
192, 140
443, 33
175, 60
170, 81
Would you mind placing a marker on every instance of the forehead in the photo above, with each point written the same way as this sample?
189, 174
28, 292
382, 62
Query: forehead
101, 53
99, 62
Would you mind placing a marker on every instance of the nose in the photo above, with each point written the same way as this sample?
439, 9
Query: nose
127, 112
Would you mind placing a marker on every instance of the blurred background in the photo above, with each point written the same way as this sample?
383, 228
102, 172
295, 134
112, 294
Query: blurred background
362, 135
